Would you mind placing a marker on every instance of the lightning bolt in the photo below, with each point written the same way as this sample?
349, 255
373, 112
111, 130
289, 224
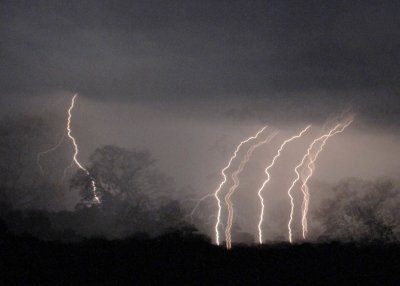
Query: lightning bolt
311, 167
198, 202
236, 181
225, 179
75, 156
40, 154
337, 129
278, 153
306, 195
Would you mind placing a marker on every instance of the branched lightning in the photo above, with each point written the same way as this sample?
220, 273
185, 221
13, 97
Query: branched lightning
337, 129
236, 181
75, 159
310, 166
198, 202
306, 195
278, 153
40, 154
225, 179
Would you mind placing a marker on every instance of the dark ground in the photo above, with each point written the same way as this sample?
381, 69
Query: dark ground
191, 260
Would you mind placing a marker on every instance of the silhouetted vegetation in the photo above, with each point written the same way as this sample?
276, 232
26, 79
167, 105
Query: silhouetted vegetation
139, 233
183, 257
135, 196
361, 211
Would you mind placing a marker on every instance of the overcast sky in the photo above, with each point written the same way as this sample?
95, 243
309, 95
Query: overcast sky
320, 55
277, 62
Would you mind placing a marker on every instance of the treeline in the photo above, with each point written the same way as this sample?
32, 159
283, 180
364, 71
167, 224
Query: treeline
43, 194
40, 194
186, 258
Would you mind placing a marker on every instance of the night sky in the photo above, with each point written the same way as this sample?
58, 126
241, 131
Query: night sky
189, 79
297, 54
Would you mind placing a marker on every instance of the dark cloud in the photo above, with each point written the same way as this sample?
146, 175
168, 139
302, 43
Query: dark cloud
326, 51
373, 110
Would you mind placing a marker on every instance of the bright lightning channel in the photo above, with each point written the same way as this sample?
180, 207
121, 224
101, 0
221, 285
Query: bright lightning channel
236, 181
332, 132
75, 159
311, 166
225, 179
278, 153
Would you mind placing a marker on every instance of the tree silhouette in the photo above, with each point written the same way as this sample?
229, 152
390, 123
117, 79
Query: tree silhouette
135, 196
362, 211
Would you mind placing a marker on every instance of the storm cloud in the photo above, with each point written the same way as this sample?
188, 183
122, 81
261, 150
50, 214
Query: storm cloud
321, 55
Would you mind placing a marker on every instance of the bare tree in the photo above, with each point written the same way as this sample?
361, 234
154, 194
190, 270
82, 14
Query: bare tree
362, 211
135, 196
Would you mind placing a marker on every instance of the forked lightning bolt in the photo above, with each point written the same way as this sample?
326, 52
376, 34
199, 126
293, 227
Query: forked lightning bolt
298, 177
75, 159
310, 166
333, 131
278, 153
224, 181
236, 181
306, 196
